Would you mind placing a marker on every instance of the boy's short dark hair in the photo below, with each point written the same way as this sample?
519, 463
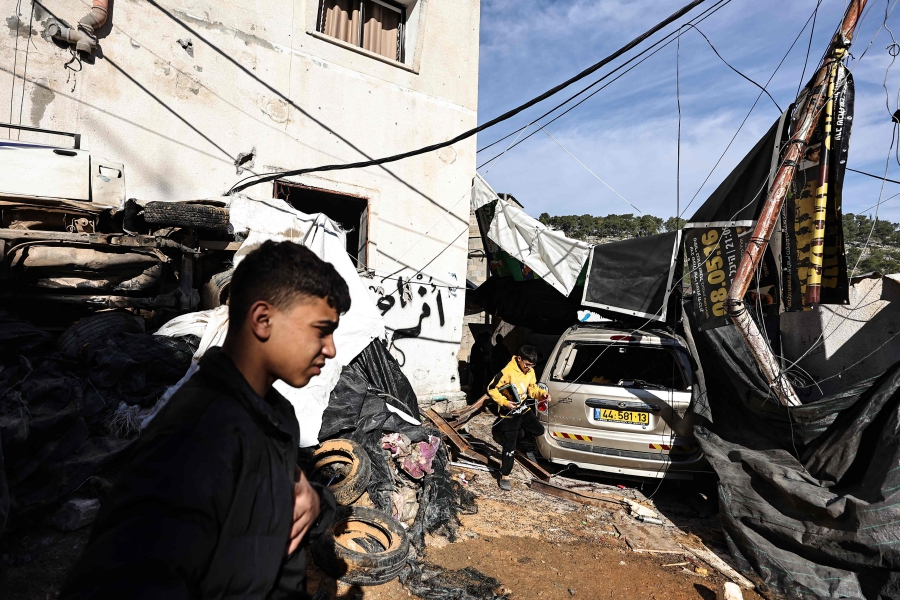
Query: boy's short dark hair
528, 353
279, 272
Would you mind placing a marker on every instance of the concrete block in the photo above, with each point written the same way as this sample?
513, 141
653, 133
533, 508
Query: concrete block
730, 591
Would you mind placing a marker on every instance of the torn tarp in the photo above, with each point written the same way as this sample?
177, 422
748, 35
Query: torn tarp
557, 259
261, 220
810, 495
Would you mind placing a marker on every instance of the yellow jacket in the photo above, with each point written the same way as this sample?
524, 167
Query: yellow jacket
525, 383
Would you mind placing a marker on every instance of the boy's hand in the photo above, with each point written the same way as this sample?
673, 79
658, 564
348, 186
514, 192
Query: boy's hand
307, 506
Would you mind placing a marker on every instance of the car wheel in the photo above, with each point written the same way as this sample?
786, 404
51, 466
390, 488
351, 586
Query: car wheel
180, 214
344, 467
96, 328
364, 546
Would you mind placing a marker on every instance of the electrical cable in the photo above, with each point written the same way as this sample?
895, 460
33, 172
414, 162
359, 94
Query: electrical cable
25, 71
874, 176
700, 19
262, 178
702, 16
589, 171
812, 32
755, 102
12, 92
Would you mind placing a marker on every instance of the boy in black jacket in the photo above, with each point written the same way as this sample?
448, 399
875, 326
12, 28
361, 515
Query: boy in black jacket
212, 503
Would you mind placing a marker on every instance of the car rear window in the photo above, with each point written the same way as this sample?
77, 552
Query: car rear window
624, 365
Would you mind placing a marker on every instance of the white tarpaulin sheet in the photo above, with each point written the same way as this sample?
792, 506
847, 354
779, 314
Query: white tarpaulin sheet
557, 259
262, 220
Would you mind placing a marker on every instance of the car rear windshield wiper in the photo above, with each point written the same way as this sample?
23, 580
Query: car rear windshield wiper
641, 384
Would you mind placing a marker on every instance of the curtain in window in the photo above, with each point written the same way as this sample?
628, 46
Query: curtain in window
342, 20
381, 30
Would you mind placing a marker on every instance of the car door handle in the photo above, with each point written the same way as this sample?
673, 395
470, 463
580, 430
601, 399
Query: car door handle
621, 405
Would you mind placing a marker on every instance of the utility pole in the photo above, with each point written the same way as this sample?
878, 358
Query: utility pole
816, 97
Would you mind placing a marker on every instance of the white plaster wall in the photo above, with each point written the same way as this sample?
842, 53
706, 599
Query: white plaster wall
842, 345
259, 79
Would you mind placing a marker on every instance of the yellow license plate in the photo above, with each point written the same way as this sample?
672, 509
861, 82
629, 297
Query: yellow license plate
628, 417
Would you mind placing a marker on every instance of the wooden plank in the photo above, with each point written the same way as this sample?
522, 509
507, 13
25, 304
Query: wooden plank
721, 566
462, 416
461, 445
532, 467
648, 540
565, 494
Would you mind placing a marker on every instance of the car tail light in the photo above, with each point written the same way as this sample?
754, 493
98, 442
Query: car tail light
622, 338
542, 406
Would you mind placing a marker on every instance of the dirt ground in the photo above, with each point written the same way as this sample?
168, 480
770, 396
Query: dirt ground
538, 546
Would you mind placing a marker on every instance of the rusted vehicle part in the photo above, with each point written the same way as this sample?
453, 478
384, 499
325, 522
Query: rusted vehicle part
113, 239
183, 214
215, 291
344, 467
83, 267
172, 300
364, 546
809, 111
49, 219
532, 467
95, 328
463, 447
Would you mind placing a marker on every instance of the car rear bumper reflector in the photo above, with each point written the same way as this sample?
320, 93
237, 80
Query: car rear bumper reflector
571, 436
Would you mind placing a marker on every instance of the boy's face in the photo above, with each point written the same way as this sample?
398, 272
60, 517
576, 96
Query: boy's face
300, 339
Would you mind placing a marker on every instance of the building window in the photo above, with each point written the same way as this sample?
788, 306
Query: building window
350, 212
374, 25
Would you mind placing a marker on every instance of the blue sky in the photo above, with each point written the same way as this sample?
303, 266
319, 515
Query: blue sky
627, 133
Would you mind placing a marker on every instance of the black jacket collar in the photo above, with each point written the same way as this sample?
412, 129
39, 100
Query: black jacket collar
273, 413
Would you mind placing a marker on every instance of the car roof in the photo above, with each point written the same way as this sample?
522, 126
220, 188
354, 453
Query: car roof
598, 332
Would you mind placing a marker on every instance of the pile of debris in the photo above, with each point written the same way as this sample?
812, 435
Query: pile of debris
68, 408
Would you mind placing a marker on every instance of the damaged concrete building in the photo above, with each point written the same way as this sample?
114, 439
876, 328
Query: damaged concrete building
189, 97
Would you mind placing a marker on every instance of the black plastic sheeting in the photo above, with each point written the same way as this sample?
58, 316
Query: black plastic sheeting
55, 408
357, 409
809, 496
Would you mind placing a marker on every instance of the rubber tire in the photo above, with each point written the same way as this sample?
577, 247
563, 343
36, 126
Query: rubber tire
354, 484
215, 291
180, 214
96, 328
354, 567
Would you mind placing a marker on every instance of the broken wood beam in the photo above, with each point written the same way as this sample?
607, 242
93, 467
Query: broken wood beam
462, 416
462, 446
573, 496
532, 467
720, 565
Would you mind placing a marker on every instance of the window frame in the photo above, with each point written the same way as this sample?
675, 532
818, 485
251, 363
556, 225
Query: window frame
401, 30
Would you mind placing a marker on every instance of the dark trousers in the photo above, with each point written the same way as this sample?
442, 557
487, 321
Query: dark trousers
506, 433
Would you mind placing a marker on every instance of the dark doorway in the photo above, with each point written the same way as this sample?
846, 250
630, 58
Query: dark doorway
350, 212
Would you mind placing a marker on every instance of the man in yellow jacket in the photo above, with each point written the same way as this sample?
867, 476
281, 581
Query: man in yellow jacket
510, 389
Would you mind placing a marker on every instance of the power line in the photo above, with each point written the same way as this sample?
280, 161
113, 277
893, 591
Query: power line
257, 179
591, 172
703, 16
874, 176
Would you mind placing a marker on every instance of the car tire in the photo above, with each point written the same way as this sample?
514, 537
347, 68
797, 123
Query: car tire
215, 291
96, 328
180, 214
344, 459
364, 546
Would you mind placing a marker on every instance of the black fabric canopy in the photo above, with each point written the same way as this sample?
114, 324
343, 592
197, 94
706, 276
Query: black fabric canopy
633, 276
809, 496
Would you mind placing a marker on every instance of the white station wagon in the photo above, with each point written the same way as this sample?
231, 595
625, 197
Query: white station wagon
619, 399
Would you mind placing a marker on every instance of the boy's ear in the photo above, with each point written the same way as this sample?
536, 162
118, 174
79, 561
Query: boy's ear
259, 319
